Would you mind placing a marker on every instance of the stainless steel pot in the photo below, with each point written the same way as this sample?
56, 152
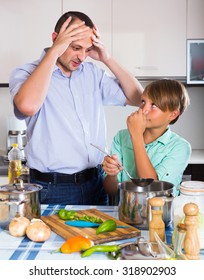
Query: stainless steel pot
19, 200
134, 206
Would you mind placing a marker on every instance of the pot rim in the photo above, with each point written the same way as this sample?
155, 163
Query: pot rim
156, 186
13, 188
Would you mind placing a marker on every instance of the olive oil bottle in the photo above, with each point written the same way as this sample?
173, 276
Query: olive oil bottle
15, 163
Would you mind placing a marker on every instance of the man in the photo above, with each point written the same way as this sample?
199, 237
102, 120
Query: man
61, 98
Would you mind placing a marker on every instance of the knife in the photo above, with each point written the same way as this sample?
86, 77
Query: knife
83, 224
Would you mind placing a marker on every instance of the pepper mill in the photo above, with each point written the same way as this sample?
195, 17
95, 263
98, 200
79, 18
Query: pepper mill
191, 240
156, 223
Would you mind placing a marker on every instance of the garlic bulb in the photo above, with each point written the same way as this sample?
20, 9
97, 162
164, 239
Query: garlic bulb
38, 231
17, 226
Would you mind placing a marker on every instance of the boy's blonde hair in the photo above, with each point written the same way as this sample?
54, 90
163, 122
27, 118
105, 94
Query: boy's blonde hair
169, 95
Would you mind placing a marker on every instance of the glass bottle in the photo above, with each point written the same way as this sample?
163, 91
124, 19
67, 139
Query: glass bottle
15, 163
179, 239
165, 251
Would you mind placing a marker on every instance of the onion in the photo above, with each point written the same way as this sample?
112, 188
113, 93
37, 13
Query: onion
38, 231
17, 226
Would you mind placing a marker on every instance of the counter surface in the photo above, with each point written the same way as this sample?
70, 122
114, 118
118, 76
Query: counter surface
3, 180
21, 248
197, 157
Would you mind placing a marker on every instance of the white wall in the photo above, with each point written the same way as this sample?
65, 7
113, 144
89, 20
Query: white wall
190, 125
6, 109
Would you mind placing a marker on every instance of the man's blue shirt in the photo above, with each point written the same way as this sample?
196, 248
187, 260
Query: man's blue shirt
71, 117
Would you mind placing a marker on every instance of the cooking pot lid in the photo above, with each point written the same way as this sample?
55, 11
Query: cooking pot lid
19, 188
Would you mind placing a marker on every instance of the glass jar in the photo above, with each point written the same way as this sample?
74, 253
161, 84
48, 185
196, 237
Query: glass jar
190, 191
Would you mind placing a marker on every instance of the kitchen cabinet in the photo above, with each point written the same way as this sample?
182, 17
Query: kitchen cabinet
196, 171
26, 28
149, 37
195, 19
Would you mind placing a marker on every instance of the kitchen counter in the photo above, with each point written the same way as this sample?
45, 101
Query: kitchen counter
3, 180
197, 157
21, 248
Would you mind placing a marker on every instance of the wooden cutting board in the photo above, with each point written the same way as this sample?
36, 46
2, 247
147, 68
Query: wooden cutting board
59, 227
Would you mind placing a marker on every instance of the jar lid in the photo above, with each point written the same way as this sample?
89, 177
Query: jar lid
192, 187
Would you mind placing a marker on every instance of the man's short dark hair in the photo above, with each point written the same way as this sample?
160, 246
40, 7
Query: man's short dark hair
75, 15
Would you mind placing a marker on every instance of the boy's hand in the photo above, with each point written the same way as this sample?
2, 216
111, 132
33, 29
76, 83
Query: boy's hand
136, 123
111, 165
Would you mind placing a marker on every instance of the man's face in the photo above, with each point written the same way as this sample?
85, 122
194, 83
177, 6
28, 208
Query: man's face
75, 54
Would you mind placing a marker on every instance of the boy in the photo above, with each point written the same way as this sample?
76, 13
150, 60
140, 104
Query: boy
148, 148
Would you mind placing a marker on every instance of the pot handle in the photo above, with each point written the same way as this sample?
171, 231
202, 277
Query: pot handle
169, 198
11, 202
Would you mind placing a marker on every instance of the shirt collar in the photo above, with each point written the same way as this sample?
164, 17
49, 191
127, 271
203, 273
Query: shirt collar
163, 139
56, 68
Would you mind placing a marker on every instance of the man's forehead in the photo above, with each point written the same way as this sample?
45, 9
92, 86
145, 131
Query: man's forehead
85, 42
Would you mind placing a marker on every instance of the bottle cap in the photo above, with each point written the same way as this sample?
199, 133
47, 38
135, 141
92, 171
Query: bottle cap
181, 227
15, 145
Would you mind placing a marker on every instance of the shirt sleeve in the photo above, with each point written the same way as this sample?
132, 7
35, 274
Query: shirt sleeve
112, 93
122, 147
174, 163
17, 78
116, 150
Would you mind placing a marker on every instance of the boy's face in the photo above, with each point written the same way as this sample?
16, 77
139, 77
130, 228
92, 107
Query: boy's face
155, 117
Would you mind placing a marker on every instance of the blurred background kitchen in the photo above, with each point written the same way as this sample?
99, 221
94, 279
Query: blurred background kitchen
148, 37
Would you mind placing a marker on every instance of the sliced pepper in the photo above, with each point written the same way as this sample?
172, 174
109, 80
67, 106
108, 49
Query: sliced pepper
67, 214
91, 219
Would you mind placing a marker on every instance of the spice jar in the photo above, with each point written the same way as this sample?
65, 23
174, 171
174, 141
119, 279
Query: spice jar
190, 192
